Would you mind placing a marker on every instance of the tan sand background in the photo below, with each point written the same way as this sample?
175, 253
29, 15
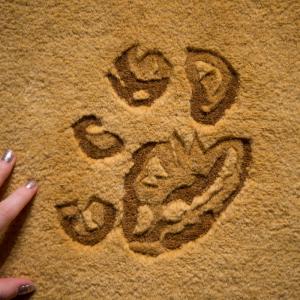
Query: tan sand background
54, 57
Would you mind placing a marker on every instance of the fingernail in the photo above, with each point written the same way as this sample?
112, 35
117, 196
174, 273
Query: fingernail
25, 289
31, 184
7, 156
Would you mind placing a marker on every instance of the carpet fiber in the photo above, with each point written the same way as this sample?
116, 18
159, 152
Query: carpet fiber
165, 140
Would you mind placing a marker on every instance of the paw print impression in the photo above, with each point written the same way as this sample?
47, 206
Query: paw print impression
96, 142
174, 193
90, 225
175, 189
140, 79
214, 84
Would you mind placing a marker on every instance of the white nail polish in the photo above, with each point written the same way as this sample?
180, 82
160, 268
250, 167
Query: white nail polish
7, 156
31, 184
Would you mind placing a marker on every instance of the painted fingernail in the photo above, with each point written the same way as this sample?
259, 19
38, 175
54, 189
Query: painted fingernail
31, 184
7, 156
25, 289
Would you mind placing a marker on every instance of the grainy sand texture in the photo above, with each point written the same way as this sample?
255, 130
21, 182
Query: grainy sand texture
165, 139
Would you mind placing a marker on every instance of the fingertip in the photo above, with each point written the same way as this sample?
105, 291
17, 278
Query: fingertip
7, 163
8, 156
31, 184
12, 287
25, 192
28, 191
14, 203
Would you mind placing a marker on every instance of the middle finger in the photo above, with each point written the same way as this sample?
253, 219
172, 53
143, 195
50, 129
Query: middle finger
7, 162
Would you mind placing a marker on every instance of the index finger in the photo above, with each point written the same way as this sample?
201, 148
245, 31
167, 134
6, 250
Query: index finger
13, 204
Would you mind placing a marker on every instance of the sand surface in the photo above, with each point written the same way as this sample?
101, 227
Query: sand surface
165, 139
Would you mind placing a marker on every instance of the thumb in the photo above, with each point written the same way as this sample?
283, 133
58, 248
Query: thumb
12, 287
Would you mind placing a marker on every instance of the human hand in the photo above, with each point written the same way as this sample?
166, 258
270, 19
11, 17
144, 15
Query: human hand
9, 209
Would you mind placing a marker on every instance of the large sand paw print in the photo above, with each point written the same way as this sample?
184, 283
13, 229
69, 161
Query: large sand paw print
175, 191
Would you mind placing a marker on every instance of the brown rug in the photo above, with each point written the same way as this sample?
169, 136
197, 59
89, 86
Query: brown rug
165, 140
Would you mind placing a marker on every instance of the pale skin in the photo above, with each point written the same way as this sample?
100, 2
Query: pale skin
10, 208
